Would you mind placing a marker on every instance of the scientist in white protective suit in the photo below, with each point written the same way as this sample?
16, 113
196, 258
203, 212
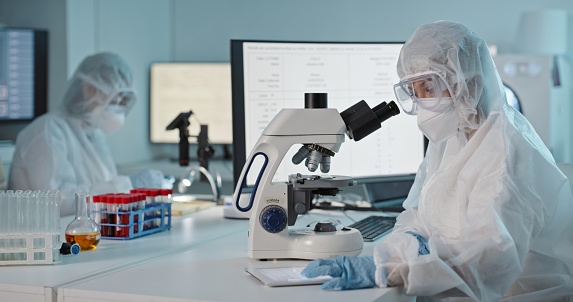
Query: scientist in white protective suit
488, 217
67, 150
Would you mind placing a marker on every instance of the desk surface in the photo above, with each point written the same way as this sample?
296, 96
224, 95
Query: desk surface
202, 258
33, 281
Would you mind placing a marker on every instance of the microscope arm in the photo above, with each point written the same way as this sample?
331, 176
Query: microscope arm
272, 150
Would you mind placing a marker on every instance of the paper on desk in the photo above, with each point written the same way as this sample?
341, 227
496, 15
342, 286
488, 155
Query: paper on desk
284, 276
188, 207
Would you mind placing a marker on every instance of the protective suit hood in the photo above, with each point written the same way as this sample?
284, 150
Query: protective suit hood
95, 81
462, 60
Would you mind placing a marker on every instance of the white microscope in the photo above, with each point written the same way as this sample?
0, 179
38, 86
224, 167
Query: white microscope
273, 207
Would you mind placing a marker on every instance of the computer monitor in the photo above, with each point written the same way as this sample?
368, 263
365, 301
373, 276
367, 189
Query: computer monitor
203, 88
23, 75
270, 75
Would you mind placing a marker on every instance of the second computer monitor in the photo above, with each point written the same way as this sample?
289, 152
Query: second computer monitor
201, 87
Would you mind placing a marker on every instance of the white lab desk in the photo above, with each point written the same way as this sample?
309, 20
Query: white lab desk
212, 271
201, 258
39, 282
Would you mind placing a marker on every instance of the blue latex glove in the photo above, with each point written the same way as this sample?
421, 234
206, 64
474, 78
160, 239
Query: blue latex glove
147, 179
347, 272
423, 248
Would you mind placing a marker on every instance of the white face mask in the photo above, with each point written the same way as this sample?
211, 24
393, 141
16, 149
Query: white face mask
110, 121
439, 125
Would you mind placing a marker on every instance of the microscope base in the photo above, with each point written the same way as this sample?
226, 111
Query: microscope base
308, 244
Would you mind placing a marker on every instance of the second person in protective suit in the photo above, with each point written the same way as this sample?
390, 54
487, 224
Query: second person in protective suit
67, 149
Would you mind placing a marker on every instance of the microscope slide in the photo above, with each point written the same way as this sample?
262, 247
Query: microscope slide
284, 276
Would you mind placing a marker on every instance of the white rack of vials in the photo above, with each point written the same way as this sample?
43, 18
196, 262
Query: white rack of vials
29, 227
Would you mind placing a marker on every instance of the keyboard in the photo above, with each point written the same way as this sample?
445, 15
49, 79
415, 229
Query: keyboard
374, 227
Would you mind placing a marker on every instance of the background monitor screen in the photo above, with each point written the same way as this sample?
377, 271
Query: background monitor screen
270, 75
204, 88
23, 74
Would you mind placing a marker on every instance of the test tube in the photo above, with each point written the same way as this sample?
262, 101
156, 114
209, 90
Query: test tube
55, 208
47, 212
3, 219
37, 216
3, 214
11, 209
41, 212
18, 212
29, 210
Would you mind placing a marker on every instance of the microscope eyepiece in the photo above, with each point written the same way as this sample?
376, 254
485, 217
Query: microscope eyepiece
361, 120
386, 111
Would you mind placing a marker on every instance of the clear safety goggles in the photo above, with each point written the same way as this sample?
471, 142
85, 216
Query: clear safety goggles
426, 91
122, 101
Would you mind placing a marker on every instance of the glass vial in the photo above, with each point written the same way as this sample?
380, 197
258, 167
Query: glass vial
83, 230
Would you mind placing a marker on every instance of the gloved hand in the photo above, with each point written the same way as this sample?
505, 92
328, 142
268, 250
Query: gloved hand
347, 272
423, 248
168, 181
395, 252
149, 178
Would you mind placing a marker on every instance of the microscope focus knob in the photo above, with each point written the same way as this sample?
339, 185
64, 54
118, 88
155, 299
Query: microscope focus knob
273, 219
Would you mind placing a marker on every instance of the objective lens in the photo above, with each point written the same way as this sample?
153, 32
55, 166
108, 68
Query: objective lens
313, 160
325, 164
300, 155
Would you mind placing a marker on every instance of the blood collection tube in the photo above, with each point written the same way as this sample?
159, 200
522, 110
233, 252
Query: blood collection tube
112, 214
116, 214
155, 193
97, 210
104, 217
133, 208
140, 206
152, 194
123, 212
128, 206
148, 204
167, 194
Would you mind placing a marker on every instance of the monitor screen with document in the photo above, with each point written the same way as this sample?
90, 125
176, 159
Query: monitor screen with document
270, 75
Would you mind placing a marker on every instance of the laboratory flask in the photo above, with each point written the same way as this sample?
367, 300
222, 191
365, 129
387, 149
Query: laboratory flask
83, 230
